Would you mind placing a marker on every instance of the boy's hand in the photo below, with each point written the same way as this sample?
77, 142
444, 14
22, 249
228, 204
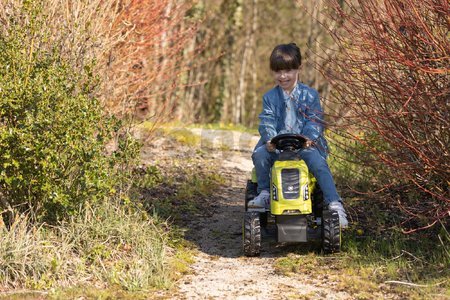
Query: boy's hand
308, 143
270, 146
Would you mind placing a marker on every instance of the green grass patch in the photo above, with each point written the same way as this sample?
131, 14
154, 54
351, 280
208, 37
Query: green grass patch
109, 245
176, 130
169, 126
378, 259
218, 137
183, 189
226, 126
220, 126
182, 259
182, 135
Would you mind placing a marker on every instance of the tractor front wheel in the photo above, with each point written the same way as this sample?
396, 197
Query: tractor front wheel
252, 234
331, 232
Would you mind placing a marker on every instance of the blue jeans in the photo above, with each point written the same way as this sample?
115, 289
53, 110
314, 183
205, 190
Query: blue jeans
317, 165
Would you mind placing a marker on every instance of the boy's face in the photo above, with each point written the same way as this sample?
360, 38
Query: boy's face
286, 79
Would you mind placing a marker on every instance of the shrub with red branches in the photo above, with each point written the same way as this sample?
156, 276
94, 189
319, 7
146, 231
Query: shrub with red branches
391, 80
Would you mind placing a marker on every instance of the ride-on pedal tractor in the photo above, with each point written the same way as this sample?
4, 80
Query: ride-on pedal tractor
296, 203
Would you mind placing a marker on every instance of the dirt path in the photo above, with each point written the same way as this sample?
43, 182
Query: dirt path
221, 271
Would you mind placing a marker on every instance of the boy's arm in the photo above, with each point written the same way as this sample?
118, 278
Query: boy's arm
267, 124
314, 123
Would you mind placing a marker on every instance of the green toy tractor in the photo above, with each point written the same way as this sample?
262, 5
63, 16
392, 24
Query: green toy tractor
296, 204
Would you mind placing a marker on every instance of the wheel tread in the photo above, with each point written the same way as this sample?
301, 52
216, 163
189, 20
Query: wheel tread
331, 233
252, 234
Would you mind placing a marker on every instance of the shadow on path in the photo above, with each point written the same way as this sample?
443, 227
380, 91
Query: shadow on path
220, 233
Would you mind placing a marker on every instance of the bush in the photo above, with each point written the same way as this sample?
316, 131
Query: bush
53, 132
390, 78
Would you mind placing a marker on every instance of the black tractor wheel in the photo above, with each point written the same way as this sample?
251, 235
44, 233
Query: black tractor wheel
263, 219
317, 199
252, 234
331, 232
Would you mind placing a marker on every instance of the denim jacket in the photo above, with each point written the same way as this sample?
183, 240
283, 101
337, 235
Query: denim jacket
309, 112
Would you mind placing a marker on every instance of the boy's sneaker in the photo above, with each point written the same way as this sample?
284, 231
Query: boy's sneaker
337, 206
260, 201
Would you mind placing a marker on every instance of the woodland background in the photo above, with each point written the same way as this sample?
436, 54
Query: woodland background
381, 70
77, 76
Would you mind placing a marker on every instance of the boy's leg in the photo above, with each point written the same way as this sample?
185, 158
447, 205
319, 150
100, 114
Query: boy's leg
317, 164
263, 161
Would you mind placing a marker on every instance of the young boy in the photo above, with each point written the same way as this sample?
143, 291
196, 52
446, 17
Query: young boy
293, 107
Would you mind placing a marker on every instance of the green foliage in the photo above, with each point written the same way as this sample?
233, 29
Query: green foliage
53, 132
346, 168
147, 177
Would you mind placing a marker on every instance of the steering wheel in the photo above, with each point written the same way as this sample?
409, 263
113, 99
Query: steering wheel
289, 141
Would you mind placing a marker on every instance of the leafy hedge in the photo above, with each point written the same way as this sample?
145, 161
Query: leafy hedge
53, 133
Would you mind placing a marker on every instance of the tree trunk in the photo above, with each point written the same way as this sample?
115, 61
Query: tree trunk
254, 97
242, 84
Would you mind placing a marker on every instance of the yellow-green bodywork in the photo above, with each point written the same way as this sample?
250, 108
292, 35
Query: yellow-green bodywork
300, 205
254, 178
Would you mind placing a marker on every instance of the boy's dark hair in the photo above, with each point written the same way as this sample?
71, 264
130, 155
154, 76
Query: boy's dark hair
285, 57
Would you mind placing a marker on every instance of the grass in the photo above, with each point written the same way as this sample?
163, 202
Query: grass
377, 259
177, 186
344, 166
105, 245
218, 126
184, 189
90, 292
183, 135
224, 126
181, 132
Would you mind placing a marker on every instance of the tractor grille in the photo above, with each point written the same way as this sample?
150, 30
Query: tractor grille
290, 182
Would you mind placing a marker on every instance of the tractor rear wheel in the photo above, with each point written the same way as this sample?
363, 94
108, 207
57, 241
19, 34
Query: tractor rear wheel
252, 234
331, 232
263, 219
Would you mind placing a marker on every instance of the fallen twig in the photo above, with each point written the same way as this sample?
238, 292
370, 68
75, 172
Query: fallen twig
413, 284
